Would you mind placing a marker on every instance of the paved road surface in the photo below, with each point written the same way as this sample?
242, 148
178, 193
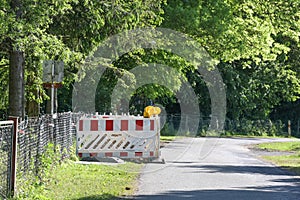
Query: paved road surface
212, 169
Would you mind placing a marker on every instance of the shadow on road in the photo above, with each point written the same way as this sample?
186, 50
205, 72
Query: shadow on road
281, 193
234, 169
285, 188
98, 197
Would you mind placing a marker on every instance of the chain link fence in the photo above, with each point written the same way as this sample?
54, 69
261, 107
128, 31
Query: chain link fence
183, 125
6, 132
34, 136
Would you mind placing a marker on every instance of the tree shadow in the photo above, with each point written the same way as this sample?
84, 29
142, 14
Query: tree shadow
293, 170
237, 169
286, 188
98, 197
227, 194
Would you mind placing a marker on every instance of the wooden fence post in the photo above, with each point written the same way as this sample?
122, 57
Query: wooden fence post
13, 168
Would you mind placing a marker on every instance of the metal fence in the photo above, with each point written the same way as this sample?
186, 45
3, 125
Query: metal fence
185, 124
6, 132
34, 135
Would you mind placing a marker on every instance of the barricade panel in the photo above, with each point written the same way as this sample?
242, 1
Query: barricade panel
118, 136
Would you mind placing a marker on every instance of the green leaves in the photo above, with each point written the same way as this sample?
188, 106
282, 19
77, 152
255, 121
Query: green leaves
257, 44
4, 84
233, 30
68, 30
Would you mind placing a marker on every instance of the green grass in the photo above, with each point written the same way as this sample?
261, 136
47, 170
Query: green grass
87, 182
245, 135
167, 138
280, 146
289, 162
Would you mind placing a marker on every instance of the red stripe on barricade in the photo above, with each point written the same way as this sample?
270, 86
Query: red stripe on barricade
123, 154
94, 125
109, 125
151, 125
139, 154
139, 125
108, 154
93, 154
124, 125
80, 125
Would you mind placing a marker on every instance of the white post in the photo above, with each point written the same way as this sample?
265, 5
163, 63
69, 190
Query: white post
289, 128
52, 89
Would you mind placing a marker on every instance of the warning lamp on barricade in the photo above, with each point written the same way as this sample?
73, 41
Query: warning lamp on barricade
150, 111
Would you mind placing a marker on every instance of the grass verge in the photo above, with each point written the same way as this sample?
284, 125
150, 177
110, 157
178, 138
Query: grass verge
88, 182
167, 138
289, 162
280, 146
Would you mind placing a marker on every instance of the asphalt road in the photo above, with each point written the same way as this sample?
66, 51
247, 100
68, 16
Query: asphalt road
210, 168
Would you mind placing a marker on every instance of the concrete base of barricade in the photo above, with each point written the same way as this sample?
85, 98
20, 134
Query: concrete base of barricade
146, 160
116, 160
103, 160
97, 163
115, 157
159, 160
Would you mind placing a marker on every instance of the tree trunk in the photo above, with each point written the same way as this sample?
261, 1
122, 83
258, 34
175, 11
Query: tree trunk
16, 71
33, 108
16, 84
48, 103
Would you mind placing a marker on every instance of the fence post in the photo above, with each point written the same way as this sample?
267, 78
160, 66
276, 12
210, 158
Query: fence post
298, 124
289, 128
13, 168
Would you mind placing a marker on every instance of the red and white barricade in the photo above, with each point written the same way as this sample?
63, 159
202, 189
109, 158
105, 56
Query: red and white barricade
125, 137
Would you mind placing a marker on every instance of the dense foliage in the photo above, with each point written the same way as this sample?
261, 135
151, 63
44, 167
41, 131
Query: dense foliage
256, 43
66, 30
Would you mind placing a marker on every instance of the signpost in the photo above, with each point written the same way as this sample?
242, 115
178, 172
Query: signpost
53, 74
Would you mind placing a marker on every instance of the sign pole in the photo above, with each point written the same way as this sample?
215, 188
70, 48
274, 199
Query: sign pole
53, 74
52, 88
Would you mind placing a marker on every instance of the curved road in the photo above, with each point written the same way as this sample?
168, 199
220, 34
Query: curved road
215, 168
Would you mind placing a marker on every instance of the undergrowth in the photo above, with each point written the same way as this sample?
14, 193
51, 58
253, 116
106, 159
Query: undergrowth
58, 176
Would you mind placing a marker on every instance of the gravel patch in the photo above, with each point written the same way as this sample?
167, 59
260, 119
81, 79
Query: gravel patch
266, 152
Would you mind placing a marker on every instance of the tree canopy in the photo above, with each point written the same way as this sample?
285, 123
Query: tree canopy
256, 43
66, 30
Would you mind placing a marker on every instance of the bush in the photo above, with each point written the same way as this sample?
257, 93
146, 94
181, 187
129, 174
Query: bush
254, 128
168, 130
